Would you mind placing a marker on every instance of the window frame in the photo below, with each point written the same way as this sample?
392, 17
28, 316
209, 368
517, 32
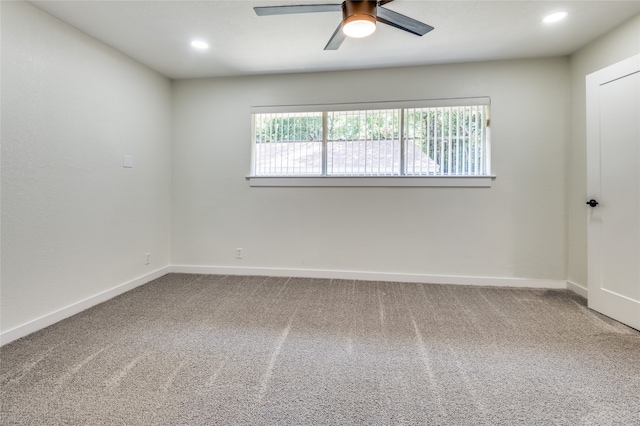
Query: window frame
367, 180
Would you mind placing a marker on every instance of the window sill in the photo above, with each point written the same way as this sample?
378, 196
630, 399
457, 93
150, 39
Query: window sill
374, 181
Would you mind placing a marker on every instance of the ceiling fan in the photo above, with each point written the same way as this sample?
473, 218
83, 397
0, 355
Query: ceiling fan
358, 18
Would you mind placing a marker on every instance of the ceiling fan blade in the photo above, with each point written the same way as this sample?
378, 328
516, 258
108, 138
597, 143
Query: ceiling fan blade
383, 2
336, 39
303, 8
402, 22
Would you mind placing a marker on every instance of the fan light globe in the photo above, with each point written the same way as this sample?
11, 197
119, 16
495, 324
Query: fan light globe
360, 26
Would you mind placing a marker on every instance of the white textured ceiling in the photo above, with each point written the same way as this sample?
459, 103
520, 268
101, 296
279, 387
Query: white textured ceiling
157, 33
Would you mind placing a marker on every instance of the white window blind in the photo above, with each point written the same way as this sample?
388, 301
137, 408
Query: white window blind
447, 140
363, 143
288, 144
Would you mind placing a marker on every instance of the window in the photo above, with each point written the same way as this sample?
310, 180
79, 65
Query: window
443, 138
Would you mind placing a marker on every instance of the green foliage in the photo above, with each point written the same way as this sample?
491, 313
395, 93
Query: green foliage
364, 125
299, 128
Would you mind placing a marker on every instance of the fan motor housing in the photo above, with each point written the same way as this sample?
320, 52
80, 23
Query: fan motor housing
359, 10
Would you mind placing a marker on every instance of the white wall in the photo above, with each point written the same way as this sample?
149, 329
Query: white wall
619, 44
516, 229
75, 223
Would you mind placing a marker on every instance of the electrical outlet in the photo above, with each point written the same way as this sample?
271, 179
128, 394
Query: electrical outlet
147, 258
238, 253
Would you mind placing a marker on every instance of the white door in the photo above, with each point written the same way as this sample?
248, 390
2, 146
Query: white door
613, 167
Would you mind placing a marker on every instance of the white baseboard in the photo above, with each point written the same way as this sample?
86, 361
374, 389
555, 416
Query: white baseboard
372, 276
578, 289
59, 315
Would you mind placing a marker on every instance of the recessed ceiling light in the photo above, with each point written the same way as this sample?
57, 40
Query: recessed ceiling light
199, 44
555, 17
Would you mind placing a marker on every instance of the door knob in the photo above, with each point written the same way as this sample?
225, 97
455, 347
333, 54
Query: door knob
592, 202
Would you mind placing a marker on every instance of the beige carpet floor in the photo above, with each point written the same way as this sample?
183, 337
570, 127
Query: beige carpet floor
234, 350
